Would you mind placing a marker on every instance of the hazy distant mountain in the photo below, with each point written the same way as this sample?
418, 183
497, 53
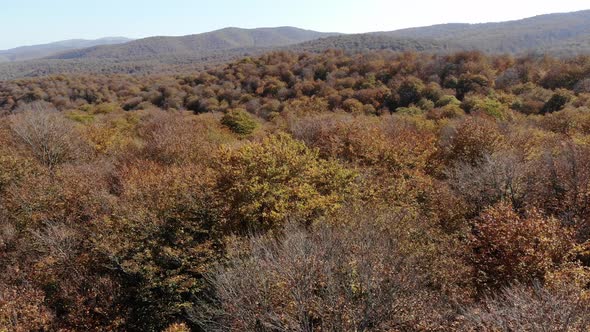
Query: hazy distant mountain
564, 33
224, 39
561, 34
372, 42
41, 51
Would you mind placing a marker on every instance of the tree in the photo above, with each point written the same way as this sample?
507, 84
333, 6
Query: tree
264, 183
509, 248
181, 138
239, 121
526, 308
161, 240
468, 83
470, 141
557, 102
408, 92
501, 176
47, 134
357, 273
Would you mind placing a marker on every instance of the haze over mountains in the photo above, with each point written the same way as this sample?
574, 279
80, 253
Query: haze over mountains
24, 53
224, 39
561, 34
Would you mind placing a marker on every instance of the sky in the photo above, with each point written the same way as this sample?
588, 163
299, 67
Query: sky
29, 22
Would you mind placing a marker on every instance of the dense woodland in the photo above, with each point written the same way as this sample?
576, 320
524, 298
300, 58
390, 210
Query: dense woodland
300, 192
561, 34
151, 58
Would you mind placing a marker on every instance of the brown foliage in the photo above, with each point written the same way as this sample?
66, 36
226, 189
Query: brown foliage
115, 206
22, 309
508, 247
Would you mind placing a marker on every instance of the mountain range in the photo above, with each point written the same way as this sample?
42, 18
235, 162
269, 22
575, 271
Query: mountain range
556, 33
561, 34
44, 50
219, 40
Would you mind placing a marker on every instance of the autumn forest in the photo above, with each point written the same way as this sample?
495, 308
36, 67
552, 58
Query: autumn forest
300, 191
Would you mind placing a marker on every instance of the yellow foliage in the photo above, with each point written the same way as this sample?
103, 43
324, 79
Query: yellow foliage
113, 133
177, 327
264, 183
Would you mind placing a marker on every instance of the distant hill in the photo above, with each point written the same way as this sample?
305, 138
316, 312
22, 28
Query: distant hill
219, 40
372, 42
558, 34
44, 50
165, 64
183, 62
564, 33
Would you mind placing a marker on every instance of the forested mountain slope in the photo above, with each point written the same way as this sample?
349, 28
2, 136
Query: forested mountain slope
377, 191
24, 53
560, 33
224, 39
557, 34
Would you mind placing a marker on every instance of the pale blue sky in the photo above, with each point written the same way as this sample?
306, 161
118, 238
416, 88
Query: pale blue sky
26, 22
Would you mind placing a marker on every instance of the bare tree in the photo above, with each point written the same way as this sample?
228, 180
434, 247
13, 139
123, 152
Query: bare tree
524, 308
334, 278
498, 177
46, 133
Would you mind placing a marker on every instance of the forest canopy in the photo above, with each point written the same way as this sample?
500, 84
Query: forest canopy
298, 191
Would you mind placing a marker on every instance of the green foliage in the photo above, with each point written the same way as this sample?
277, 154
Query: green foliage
488, 105
239, 121
81, 117
425, 104
409, 91
412, 110
106, 108
557, 102
447, 100
352, 105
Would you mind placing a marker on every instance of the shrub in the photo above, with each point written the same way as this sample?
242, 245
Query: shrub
239, 121
22, 309
488, 106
